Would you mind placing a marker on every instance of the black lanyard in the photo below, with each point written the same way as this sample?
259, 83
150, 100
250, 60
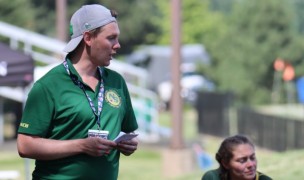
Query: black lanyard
100, 93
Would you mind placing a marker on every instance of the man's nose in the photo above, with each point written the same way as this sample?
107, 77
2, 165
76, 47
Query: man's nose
116, 45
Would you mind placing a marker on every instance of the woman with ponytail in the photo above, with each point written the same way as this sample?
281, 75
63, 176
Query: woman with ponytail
237, 161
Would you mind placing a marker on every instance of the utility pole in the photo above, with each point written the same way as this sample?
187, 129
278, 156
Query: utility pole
176, 101
178, 159
61, 20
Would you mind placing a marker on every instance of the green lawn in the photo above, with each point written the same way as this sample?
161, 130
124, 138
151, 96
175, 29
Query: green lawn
147, 162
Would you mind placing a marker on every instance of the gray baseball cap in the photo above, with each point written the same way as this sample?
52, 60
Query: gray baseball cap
87, 18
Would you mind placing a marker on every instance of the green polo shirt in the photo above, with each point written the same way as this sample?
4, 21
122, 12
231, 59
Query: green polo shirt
56, 108
215, 175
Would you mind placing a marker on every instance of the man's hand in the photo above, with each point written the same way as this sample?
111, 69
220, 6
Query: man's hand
128, 147
96, 146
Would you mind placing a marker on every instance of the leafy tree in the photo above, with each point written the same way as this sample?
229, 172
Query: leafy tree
259, 32
18, 12
223, 6
136, 22
198, 23
45, 17
299, 5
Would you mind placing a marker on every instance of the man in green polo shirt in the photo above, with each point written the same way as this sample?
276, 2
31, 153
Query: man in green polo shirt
78, 96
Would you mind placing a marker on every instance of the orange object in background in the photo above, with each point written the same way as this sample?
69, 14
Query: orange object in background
288, 73
279, 64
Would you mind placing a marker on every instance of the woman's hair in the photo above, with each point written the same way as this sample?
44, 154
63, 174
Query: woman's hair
224, 153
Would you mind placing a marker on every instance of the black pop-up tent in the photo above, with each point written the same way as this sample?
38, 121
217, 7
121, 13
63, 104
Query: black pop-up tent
16, 68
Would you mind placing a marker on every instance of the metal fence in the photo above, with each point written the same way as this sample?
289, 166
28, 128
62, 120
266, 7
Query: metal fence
213, 113
271, 132
216, 117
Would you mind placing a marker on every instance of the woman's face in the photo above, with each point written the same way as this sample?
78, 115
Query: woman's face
243, 164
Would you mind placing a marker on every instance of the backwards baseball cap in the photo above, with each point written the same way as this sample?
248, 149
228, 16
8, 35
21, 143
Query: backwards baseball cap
87, 18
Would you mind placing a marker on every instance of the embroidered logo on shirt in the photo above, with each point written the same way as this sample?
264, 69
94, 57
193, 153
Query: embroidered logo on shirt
113, 98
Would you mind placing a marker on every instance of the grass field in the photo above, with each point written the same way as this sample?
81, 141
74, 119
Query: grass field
147, 162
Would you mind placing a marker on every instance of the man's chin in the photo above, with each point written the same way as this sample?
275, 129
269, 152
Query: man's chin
107, 63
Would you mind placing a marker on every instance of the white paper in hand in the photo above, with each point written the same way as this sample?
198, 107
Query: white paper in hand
124, 137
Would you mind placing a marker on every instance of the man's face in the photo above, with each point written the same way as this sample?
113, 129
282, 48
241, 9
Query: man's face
105, 44
243, 164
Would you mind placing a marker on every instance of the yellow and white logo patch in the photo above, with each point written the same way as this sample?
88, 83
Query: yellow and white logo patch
113, 98
25, 125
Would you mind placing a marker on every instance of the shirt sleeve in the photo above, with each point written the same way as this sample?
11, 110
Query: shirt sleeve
37, 114
210, 175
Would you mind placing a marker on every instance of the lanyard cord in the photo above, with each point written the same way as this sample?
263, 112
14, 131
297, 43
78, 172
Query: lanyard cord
100, 93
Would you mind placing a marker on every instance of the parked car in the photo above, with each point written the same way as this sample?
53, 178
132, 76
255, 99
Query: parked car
191, 84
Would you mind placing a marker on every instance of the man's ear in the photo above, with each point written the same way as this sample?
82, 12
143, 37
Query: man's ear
87, 38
